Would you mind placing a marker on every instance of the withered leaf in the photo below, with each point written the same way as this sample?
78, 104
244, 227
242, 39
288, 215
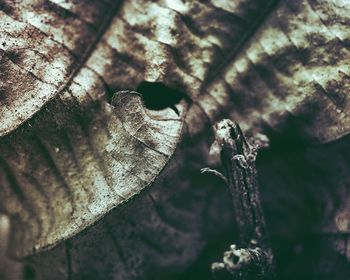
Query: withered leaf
68, 156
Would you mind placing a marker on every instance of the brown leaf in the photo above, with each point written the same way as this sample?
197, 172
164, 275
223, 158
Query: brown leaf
265, 63
268, 65
66, 172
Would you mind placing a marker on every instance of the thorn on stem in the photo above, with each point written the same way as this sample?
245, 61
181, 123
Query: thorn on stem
214, 172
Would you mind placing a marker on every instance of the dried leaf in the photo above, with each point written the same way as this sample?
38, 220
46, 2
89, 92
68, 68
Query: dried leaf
61, 176
68, 156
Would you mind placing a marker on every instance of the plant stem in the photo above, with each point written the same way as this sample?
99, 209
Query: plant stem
253, 259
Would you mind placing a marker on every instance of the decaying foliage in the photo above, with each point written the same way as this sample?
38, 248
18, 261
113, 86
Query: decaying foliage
76, 158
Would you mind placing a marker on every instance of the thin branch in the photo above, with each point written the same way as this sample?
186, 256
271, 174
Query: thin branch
253, 259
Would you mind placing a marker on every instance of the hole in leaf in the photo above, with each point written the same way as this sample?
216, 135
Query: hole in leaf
157, 96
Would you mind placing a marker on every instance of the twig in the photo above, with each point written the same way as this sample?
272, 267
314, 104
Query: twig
253, 259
